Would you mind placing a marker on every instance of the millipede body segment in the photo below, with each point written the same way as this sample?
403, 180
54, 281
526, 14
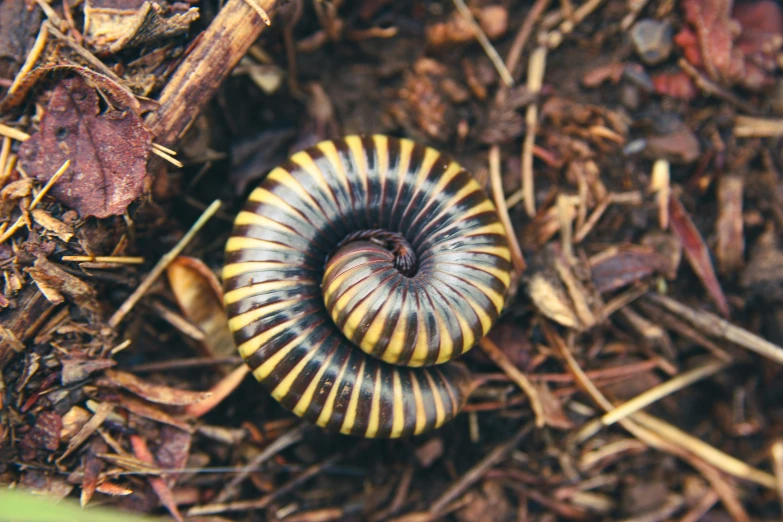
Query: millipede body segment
356, 272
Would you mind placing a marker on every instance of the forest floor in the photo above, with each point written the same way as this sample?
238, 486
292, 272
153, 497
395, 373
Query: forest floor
633, 146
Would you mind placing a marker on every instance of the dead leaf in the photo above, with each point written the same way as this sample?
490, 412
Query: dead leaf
45, 434
697, 253
73, 421
52, 224
53, 281
108, 151
77, 369
151, 412
101, 414
620, 266
152, 392
200, 298
113, 25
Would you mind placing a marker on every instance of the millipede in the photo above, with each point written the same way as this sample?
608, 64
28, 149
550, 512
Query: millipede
356, 273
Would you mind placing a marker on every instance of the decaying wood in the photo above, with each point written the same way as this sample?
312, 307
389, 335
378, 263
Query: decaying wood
208, 63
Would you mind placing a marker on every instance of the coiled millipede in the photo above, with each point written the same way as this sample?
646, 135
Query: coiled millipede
355, 273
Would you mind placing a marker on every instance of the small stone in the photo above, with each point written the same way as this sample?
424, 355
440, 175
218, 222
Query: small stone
652, 40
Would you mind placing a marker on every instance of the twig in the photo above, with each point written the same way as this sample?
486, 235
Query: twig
658, 392
479, 470
712, 88
19, 222
523, 35
260, 10
266, 500
502, 361
213, 57
482, 38
288, 439
535, 79
719, 327
162, 264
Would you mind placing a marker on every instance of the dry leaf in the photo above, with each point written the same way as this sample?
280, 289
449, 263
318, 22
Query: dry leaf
108, 151
152, 392
200, 298
53, 281
77, 369
697, 253
113, 25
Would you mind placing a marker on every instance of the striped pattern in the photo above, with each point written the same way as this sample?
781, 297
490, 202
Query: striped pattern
301, 300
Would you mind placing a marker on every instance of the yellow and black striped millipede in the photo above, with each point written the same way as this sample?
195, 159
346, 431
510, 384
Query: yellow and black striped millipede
355, 273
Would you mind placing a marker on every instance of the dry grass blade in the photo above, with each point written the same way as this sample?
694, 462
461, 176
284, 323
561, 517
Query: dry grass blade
482, 38
128, 305
777, 465
663, 390
12, 133
718, 327
504, 363
120, 260
535, 80
660, 434
497, 195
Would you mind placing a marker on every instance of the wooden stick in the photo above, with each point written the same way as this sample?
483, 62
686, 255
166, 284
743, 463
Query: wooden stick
214, 56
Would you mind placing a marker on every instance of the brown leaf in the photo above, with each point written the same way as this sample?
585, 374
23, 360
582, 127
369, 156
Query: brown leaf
152, 392
77, 369
151, 412
92, 467
173, 451
52, 224
73, 421
54, 281
101, 414
200, 298
620, 266
108, 151
697, 253
113, 25
45, 434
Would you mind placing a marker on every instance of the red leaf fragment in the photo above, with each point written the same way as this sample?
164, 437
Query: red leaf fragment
108, 151
164, 493
697, 253
45, 434
677, 85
